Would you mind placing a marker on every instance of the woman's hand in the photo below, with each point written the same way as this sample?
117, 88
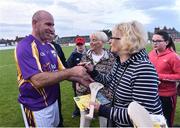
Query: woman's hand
87, 65
96, 105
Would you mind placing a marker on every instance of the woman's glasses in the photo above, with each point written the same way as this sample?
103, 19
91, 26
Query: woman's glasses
157, 41
115, 38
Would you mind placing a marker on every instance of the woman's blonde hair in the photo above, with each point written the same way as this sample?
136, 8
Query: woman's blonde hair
133, 37
100, 36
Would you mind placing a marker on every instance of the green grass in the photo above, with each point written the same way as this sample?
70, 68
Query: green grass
10, 114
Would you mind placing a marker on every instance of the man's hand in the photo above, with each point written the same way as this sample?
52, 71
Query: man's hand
82, 81
50, 78
87, 65
86, 82
79, 74
78, 71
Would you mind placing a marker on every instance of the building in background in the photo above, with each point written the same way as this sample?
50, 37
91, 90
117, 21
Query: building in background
69, 41
172, 31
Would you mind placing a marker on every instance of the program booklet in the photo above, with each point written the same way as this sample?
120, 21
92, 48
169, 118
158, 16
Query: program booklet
83, 101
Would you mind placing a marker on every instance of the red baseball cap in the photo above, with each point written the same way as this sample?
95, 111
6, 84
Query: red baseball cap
80, 40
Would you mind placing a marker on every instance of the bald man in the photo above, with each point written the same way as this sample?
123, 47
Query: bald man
40, 70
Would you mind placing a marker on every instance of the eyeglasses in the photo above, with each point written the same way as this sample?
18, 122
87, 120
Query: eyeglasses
115, 38
157, 41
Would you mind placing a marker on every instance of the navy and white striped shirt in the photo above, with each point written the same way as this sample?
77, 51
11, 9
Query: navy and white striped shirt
133, 80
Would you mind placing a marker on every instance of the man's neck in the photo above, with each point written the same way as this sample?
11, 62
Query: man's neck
38, 38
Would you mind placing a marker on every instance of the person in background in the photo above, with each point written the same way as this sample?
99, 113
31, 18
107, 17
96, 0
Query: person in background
103, 61
59, 51
39, 71
72, 61
132, 78
167, 64
62, 57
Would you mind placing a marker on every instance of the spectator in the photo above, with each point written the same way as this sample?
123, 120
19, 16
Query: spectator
167, 64
132, 78
73, 60
61, 55
103, 60
40, 70
59, 51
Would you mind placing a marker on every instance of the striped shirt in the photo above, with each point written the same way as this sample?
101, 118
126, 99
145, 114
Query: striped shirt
132, 80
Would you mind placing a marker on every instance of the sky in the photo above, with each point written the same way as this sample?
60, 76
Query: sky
82, 17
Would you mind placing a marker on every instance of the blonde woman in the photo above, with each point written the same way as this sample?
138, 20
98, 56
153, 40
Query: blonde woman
132, 78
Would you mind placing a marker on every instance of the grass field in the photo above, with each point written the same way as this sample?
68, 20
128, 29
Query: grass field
10, 114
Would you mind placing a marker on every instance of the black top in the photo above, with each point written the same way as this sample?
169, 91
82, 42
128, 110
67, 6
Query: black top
74, 59
60, 54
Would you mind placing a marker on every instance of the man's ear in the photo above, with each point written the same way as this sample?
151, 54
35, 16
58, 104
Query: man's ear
34, 22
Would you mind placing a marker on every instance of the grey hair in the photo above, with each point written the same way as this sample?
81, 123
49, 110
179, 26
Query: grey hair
100, 36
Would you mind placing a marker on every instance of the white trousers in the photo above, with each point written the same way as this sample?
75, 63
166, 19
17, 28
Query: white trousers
47, 117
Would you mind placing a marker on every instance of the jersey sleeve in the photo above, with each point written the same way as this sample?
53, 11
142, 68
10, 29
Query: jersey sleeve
28, 60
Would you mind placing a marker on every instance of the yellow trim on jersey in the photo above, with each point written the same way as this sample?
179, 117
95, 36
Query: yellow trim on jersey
34, 119
45, 96
43, 93
60, 65
20, 79
30, 117
19, 74
36, 55
37, 90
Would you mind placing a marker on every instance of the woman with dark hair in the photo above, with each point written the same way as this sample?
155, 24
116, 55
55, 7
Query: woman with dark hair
166, 62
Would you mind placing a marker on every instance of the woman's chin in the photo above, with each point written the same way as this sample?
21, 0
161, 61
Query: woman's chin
113, 50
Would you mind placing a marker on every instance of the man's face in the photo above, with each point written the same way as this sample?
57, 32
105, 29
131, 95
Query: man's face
44, 28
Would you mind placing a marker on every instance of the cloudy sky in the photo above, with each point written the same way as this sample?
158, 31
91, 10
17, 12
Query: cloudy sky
82, 17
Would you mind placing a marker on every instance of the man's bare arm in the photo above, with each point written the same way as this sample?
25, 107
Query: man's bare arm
49, 78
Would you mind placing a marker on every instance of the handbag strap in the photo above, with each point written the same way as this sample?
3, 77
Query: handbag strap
115, 88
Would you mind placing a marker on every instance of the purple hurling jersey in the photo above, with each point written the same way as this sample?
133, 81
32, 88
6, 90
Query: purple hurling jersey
34, 57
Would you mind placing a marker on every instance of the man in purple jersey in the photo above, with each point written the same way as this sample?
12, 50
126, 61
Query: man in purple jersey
40, 70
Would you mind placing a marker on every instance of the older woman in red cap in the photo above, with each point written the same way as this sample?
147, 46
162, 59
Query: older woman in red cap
73, 60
